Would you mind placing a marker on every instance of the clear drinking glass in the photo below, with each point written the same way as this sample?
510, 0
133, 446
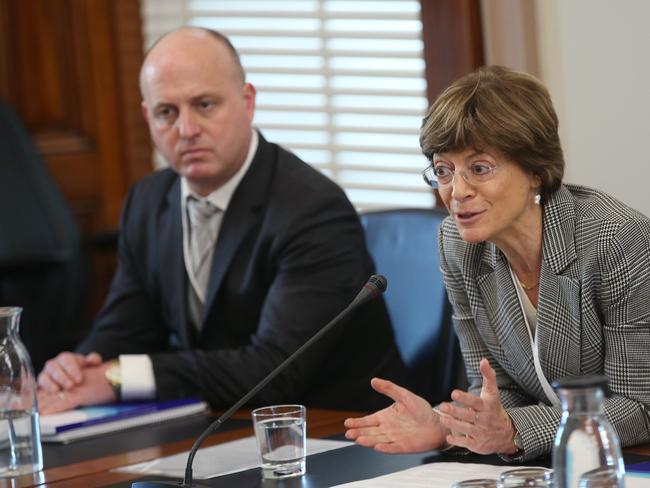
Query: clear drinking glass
20, 437
585, 439
476, 483
533, 477
281, 436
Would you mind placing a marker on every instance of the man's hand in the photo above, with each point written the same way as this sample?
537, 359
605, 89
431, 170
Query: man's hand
93, 389
409, 425
481, 424
65, 371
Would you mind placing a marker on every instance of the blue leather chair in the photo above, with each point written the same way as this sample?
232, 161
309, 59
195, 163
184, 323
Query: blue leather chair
404, 245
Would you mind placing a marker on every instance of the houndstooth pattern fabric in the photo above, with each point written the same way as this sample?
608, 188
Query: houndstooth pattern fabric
593, 314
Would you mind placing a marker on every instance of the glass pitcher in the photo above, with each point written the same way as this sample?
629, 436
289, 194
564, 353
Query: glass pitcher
20, 440
585, 439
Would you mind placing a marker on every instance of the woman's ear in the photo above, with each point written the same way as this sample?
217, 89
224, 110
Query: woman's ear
536, 183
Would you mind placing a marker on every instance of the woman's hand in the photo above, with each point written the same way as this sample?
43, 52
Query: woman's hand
408, 425
481, 424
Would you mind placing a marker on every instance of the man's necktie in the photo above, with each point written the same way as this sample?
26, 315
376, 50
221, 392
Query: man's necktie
203, 234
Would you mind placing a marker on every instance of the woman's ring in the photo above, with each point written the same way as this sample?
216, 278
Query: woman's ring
61, 395
476, 418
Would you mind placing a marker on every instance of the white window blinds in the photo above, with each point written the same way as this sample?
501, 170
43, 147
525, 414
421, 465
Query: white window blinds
340, 82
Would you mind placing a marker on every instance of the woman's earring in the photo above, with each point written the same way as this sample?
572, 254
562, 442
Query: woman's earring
537, 199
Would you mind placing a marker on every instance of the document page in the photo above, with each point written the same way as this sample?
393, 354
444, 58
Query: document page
221, 459
434, 475
443, 475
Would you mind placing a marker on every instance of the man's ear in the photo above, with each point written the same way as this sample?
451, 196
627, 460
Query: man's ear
145, 111
249, 99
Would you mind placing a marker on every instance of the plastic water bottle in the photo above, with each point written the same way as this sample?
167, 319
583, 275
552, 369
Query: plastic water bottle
20, 437
585, 440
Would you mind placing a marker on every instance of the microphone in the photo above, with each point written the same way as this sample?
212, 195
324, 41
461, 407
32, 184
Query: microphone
374, 287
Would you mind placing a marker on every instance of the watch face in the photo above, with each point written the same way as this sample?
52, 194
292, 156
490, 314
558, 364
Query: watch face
518, 443
114, 374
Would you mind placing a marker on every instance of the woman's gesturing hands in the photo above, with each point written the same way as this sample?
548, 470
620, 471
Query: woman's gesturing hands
408, 425
480, 424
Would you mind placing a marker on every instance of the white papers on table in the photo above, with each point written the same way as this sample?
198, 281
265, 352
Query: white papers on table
434, 475
443, 475
221, 459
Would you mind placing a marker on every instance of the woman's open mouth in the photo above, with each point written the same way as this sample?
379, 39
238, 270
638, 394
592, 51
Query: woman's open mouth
468, 217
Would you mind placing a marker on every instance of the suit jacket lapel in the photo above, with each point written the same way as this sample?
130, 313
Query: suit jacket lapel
241, 217
507, 320
559, 325
172, 263
559, 317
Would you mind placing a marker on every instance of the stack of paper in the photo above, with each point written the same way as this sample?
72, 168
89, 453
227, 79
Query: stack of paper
92, 421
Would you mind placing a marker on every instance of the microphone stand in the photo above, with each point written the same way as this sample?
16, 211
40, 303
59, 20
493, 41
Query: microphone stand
375, 286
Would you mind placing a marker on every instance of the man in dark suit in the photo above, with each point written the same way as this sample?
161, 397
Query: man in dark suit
285, 254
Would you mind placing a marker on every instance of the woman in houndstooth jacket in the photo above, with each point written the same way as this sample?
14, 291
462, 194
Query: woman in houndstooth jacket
546, 281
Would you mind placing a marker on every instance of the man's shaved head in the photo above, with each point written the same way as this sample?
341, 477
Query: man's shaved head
188, 35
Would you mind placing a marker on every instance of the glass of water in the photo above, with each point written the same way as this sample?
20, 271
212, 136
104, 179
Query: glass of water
533, 477
281, 437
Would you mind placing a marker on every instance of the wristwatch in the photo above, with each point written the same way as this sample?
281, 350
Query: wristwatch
519, 444
113, 375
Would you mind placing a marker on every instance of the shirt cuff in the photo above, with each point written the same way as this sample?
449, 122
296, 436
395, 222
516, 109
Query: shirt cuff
138, 382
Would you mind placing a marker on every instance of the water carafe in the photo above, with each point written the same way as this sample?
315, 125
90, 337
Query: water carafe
20, 441
585, 439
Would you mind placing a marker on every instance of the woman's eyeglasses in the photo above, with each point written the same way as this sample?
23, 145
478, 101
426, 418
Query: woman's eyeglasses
441, 175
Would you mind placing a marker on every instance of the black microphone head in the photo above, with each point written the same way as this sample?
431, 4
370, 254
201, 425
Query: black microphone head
379, 282
375, 286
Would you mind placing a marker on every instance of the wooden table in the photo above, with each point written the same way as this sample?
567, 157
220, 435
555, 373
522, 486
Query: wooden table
96, 472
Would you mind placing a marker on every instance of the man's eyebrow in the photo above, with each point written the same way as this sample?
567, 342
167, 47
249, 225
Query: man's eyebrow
201, 96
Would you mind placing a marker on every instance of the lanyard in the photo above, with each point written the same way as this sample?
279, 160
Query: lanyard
548, 390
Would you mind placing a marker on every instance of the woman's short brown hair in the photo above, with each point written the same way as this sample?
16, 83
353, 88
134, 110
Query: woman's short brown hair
501, 109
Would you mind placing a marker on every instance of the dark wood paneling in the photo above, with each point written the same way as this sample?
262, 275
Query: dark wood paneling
128, 35
70, 70
5, 54
453, 41
453, 44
